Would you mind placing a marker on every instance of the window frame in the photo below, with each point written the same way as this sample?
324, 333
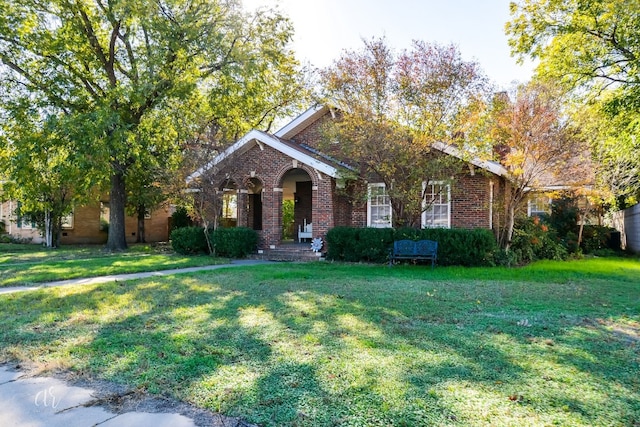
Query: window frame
425, 211
67, 221
371, 206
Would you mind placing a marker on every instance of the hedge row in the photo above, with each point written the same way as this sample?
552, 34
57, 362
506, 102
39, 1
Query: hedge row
455, 246
236, 242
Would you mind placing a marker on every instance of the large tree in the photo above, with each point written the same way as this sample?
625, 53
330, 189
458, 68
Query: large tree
593, 49
44, 167
533, 138
115, 62
394, 110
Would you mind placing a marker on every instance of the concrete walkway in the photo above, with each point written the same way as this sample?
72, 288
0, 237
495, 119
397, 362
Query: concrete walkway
131, 276
27, 401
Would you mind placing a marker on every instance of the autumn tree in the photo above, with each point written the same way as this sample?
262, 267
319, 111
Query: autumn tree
116, 62
538, 146
592, 48
395, 108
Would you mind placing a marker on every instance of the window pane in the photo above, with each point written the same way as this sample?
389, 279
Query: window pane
379, 206
437, 212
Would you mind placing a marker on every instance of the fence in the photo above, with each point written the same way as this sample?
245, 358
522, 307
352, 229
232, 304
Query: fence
628, 223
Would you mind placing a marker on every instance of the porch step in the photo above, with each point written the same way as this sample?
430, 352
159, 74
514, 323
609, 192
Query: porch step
288, 252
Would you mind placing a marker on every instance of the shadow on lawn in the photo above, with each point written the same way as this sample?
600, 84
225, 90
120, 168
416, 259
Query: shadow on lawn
308, 352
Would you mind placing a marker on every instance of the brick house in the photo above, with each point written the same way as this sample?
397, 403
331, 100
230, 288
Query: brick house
261, 171
86, 225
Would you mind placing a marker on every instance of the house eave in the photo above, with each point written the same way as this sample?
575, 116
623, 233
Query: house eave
493, 167
256, 136
302, 121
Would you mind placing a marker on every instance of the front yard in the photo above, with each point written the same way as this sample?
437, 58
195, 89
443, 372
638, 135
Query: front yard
22, 265
323, 344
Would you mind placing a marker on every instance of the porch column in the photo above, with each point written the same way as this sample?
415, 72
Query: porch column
243, 208
272, 216
322, 198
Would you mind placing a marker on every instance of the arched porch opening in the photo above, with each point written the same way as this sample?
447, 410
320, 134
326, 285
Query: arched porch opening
228, 204
297, 203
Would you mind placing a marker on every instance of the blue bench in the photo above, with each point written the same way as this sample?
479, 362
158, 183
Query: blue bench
414, 250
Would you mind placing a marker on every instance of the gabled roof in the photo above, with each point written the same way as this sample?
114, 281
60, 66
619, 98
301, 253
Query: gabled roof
259, 138
302, 121
312, 157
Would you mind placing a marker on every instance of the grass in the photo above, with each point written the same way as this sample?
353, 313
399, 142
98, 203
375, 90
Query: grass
328, 344
31, 264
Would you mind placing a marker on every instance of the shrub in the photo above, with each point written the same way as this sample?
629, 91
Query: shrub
340, 244
455, 246
234, 242
189, 240
180, 218
533, 239
596, 238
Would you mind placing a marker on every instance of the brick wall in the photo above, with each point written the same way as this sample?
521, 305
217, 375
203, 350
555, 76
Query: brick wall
470, 199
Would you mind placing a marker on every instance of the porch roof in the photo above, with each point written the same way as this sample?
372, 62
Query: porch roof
259, 138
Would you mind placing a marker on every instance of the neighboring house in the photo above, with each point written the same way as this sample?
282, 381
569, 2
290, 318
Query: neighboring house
86, 225
260, 171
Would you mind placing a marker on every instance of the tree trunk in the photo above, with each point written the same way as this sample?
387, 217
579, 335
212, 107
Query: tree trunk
57, 231
141, 237
48, 229
511, 220
117, 239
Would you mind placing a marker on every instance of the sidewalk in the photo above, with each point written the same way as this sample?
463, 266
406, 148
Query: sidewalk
49, 402
131, 276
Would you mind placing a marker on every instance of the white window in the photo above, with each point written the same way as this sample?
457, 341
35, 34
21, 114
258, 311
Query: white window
67, 221
539, 205
437, 202
379, 207
24, 222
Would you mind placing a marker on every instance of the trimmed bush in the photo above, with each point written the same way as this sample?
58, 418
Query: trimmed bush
596, 238
455, 246
340, 244
533, 239
234, 242
189, 240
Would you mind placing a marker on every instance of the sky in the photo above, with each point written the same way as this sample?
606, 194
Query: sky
325, 28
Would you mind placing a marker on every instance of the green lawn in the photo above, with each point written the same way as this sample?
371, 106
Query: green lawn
323, 344
31, 264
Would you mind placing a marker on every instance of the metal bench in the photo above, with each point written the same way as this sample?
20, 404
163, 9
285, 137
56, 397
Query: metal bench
414, 250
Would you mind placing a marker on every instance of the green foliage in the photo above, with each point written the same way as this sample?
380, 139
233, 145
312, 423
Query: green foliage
180, 218
591, 47
564, 222
128, 76
288, 219
596, 238
455, 246
533, 239
234, 242
189, 240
